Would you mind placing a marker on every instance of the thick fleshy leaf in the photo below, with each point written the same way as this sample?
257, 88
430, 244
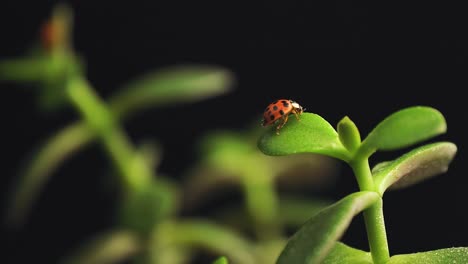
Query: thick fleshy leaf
342, 253
107, 248
404, 128
316, 238
172, 85
440, 256
221, 260
415, 166
349, 134
311, 134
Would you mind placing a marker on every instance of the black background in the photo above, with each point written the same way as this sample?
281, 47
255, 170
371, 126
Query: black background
357, 58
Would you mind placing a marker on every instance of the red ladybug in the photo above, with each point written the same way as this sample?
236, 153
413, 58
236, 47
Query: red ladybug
281, 109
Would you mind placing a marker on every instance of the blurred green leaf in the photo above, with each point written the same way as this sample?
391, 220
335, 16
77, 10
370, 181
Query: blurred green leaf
168, 254
342, 253
415, 166
235, 155
107, 248
403, 128
292, 212
314, 240
173, 85
43, 162
30, 69
440, 256
221, 260
311, 134
295, 211
297, 173
267, 251
229, 152
205, 235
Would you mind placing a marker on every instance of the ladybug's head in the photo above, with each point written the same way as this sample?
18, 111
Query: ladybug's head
297, 106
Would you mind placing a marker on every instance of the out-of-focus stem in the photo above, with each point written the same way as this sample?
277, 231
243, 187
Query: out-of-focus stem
130, 164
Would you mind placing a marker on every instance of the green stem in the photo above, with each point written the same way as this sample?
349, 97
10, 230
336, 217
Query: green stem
373, 216
363, 174
131, 166
376, 234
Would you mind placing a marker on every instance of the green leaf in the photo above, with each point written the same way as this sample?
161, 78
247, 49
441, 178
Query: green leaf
267, 251
110, 247
167, 254
314, 240
229, 152
221, 260
415, 166
292, 212
33, 69
173, 85
202, 234
42, 164
440, 256
235, 155
404, 128
311, 134
342, 253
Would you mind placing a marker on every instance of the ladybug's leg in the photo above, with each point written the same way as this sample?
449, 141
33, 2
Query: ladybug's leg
296, 113
284, 119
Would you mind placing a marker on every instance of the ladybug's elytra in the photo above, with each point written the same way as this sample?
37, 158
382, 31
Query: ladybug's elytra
280, 110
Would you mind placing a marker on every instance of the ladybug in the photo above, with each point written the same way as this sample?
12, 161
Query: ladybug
281, 109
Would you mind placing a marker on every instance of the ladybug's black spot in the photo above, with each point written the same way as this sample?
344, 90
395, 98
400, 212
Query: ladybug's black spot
272, 117
285, 103
275, 107
267, 108
281, 112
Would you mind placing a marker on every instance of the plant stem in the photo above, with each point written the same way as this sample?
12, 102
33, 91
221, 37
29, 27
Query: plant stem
376, 234
131, 166
373, 216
